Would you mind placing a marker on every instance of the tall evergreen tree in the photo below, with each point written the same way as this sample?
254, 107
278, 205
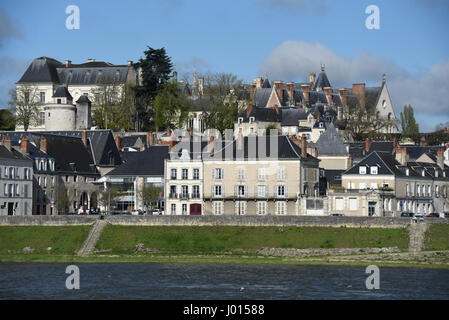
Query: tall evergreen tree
156, 70
409, 126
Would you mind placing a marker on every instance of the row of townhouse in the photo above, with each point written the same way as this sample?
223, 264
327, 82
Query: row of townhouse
255, 175
63, 168
385, 184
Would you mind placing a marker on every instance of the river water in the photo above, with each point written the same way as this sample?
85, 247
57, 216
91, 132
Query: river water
217, 282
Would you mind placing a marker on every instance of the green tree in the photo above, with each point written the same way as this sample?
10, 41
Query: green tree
108, 198
169, 107
25, 102
156, 69
62, 200
409, 126
150, 195
221, 115
7, 120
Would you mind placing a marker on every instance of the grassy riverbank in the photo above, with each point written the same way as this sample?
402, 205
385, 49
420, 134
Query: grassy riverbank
217, 244
437, 237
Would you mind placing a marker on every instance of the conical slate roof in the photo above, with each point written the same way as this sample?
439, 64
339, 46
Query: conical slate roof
83, 99
322, 81
266, 84
62, 92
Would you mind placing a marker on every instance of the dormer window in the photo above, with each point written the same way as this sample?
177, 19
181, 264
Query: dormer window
373, 170
423, 172
362, 170
407, 172
251, 119
240, 120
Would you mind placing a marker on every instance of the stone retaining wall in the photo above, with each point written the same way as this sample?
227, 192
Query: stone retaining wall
254, 221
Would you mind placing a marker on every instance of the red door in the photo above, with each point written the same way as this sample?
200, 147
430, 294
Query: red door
195, 209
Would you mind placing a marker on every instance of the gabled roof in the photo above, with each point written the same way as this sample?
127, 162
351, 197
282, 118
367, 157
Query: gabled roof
150, 162
330, 142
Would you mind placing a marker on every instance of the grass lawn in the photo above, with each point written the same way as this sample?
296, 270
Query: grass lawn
63, 240
437, 237
221, 239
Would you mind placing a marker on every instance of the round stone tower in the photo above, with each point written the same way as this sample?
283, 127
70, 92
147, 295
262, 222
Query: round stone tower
61, 114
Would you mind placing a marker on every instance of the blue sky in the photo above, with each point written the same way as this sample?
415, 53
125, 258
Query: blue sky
284, 39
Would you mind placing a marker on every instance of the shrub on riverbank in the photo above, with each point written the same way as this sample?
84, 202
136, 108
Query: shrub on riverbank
221, 239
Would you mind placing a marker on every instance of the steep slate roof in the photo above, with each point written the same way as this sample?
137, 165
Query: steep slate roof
261, 96
330, 142
42, 69
150, 162
101, 142
11, 154
285, 149
130, 141
322, 81
62, 92
261, 114
266, 84
333, 177
83, 99
49, 70
292, 116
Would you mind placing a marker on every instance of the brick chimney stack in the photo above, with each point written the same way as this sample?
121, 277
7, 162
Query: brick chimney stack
249, 108
290, 89
401, 155
84, 137
68, 63
328, 91
305, 89
118, 144
130, 63
43, 145
440, 158
25, 145
303, 147
367, 144
6, 141
343, 95
150, 140
358, 89
279, 85
253, 91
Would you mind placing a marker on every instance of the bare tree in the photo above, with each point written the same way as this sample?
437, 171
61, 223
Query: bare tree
25, 102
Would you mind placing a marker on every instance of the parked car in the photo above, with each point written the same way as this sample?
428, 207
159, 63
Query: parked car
418, 217
156, 212
337, 215
407, 214
137, 212
433, 215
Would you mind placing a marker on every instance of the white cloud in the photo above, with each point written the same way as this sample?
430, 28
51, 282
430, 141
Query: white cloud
428, 92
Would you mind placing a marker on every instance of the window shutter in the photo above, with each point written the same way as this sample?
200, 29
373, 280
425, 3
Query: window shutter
266, 192
222, 173
256, 195
236, 190
275, 191
213, 173
246, 191
286, 191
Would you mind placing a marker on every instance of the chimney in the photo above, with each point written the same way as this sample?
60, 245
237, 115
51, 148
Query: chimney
150, 141
253, 91
303, 143
440, 158
43, 145
305, 89
343, 95
211, 145
249, 108
6, 141
395, 142
90, 60
367, 144
290, 89
168, 131
312, 79
319, 116
350, 162
401, 155
117, 144
130, 63
258, 82
328, 91
276, 107
171, 145
84, 137
358, 89
240, 141
279, 85
68, 63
